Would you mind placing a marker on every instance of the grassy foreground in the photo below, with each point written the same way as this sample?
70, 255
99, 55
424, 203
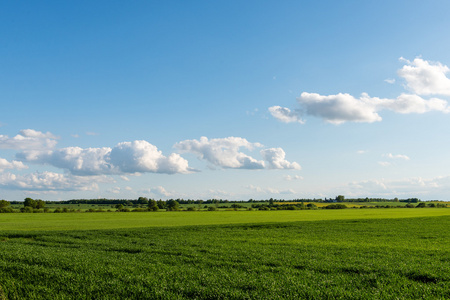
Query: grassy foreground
344, 255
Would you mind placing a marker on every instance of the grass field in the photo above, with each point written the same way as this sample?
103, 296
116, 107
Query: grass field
323, 254
88, 221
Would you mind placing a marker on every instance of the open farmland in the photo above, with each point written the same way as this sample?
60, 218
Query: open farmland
348, 254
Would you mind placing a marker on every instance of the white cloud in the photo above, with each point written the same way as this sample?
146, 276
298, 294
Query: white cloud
292, 178
141, 156
390, 80
407, 104
422, 77
78, 161
126, 157
285, 115
276, 159
384, 163
338, 108
4, 164
49, 181
398, 156
124, 178
425, 77
223, 152
28, 139
361, 151
115, 190
159, 190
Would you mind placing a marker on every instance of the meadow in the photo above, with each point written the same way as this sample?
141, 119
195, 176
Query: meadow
308, 254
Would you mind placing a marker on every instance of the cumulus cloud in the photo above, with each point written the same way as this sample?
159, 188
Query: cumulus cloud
338, 108
285, 115
141, 156
49, 181
425, 77
79, 161
5, 164
28, 139
276, 159
160, 191
407, 104
223, 152
422, 78
126, 157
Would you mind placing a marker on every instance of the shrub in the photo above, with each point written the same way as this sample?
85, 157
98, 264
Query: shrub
27, 209
211, 208
6, 210
335, 206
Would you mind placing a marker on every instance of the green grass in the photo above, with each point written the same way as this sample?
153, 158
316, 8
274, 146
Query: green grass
323, 254
88, 221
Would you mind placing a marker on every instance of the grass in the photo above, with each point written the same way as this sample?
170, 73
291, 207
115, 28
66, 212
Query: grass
89, 221
342, 254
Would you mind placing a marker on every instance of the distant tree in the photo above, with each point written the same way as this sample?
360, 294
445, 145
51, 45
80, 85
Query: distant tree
29, 202
421, 204
340, 198
40, 204
142, 200
152, 205
199, 204
119, 206
172, 205
4, 203
161, 204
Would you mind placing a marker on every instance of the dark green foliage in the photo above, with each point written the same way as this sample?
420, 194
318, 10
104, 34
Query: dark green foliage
172, 205
349, 259
4, 203
152, 205
335, 206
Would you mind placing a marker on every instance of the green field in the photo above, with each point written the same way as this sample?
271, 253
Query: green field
309, 254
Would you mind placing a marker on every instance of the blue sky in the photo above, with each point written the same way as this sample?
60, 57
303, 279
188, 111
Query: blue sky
224, 99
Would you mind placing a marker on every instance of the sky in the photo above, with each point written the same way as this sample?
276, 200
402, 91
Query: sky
227, 99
